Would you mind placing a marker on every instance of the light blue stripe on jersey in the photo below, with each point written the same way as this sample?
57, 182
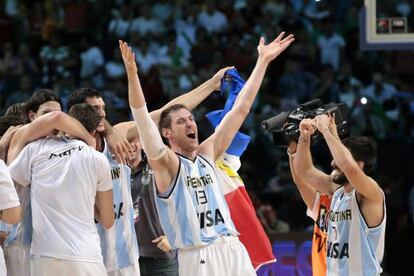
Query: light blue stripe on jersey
191, 212
119, 243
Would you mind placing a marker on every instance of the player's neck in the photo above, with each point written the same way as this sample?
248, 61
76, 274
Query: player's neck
99, 142
188, 154
348, 188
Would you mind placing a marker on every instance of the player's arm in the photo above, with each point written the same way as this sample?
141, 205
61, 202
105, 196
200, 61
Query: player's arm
9, 201
43, 126
307, 192
161, 158
196, 96
216, 144
5, 141
117, 143
104, 208
303, 160
11, 215
345, 161
190, 100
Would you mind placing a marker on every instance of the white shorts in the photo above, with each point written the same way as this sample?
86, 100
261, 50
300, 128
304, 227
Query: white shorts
17, 260
227, 256
49, 266
132, 270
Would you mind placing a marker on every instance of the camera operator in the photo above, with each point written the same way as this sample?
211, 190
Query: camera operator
357, 207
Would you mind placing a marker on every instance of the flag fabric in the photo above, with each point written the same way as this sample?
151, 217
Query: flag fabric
242, 211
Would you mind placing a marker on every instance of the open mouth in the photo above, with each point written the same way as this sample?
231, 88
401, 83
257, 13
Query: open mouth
191, 135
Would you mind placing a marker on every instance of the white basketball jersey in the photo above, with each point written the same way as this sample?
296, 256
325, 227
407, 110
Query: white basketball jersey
353, 248
194, 212
119, 243
64, 181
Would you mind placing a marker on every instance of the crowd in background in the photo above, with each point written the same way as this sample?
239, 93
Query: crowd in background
66, 44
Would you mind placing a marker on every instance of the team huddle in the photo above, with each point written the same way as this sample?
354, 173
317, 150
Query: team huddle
81, 197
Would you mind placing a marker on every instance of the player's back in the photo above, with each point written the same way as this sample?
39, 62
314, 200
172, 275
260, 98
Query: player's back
64, 181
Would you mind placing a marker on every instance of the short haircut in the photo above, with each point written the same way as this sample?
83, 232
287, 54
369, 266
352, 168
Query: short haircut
18, 109
40, 97
165, 118
362, 149
86, 115
80, 95
7, 121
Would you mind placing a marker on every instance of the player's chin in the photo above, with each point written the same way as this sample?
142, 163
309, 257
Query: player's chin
100, 128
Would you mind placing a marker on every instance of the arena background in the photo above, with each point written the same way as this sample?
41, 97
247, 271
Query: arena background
344, 51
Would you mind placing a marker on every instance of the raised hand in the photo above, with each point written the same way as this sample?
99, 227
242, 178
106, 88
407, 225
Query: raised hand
270, 51
219, 76
332, 125
118, 146
128, 57
323, 122
307, 127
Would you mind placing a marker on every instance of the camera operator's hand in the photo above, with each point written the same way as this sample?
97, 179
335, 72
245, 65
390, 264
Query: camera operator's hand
292, 147
323, 123
307, 127
332, 125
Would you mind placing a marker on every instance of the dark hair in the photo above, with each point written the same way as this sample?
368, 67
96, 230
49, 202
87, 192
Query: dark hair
7, 121
39, 97
86, 115
18, 109
363, 149
165, 118
80, 95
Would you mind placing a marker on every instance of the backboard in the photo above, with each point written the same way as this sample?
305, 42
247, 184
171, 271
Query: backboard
387, 25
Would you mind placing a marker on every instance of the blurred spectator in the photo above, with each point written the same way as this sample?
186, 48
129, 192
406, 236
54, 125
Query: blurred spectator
331, 45
92, 63
145, 23
185, 27
145, 59
379, 90
295, 84
114, 68
26, 64
120, 23
51, 56
327, 89
213, 20
272, 224
23, 93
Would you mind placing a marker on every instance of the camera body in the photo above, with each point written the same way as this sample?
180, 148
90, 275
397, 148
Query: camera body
285, 126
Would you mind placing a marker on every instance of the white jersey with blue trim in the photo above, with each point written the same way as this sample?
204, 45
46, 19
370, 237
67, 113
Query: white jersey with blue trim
353, 248
119, 243
193, 212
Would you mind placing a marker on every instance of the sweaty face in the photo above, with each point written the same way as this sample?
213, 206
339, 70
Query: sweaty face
183, 132
99, 106
338, 177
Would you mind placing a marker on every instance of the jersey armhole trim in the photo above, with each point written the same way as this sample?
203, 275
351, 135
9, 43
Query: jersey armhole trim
208, 162
171, 188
